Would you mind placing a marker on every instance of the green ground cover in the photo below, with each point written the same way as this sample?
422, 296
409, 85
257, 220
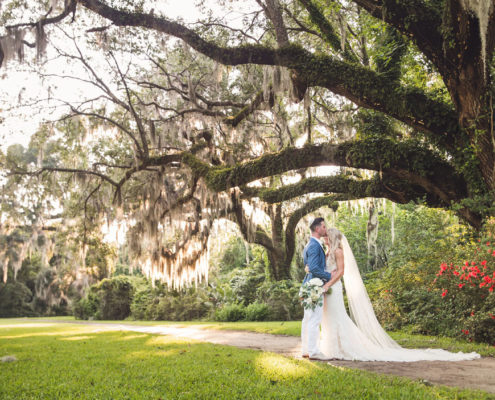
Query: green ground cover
293, 328
71, 361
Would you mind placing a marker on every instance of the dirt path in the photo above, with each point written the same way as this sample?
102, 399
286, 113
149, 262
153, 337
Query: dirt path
476, 374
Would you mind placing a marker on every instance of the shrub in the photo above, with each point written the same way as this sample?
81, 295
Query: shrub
467, 291
110, 299
115, 297
87, 307
170, 305
245, 283
257, 312
233, 255
141, 302
231, 313
282, 298
14, 300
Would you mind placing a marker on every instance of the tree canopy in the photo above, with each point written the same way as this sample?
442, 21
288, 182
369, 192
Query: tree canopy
235, 117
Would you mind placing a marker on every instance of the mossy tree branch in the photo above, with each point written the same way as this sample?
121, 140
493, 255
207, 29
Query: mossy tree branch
359, 84
347, 187
403, 160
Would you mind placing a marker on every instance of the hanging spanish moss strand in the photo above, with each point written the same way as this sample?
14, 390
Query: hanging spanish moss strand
482, 9
266, 83
12, 45
41, 41
372, 236
5, 269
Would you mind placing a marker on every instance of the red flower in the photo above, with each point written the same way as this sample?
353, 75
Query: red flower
483, 263
472, 313
460, 285
456, 273
491, 289
444, 293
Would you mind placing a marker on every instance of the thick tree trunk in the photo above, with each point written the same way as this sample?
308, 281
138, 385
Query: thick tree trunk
279, 267
475, 110
469, 82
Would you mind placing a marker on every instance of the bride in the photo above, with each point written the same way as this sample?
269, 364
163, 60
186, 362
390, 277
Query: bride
362, 337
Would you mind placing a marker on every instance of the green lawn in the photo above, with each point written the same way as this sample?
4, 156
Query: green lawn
293, 328
71, 361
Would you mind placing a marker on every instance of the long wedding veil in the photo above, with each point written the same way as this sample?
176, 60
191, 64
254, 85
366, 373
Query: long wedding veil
359, 302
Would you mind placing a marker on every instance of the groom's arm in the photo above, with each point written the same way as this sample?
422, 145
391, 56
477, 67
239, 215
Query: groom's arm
313, 264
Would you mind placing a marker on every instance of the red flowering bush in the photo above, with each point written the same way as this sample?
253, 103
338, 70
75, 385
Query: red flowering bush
468, 291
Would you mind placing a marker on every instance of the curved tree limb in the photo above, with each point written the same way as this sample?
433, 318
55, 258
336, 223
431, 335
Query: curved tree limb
357, 83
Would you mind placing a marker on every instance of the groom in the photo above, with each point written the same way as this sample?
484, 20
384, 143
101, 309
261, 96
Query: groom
314, 257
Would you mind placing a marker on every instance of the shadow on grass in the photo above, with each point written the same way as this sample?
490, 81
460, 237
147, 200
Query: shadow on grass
74, 362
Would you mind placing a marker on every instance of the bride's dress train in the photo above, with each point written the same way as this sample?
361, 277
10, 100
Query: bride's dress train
364, 339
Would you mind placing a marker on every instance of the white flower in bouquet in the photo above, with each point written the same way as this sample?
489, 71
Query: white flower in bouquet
315, 282
311, 293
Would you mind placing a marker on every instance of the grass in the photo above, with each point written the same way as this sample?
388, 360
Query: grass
293, 328
72, 361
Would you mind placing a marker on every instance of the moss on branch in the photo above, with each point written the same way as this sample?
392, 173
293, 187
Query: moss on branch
408, 161
359, 84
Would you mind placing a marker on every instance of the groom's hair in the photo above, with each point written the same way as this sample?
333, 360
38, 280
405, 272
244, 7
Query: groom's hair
316, 222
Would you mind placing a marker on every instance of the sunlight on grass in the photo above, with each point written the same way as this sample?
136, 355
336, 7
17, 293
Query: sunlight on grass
167, 340
75, 338
19, 331
26, 325
146, 354
25, 335
130, 337
58, 362
276, 367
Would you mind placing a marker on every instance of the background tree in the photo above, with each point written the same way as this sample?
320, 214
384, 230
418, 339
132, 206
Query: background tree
422, 70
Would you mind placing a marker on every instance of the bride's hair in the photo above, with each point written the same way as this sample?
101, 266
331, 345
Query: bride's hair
335, 241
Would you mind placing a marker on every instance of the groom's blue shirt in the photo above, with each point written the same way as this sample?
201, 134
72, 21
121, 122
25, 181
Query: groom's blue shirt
314, 258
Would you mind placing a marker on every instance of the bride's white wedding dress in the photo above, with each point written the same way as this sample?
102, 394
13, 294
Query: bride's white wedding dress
362, 337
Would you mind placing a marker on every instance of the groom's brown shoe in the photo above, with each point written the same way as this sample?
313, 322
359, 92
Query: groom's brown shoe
305, 356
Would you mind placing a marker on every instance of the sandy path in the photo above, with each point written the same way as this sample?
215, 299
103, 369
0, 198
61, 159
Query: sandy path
476, 374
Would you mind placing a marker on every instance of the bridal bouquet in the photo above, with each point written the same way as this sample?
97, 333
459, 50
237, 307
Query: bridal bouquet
311, 293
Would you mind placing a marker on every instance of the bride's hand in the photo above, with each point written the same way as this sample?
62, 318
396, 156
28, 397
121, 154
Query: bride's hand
306, 268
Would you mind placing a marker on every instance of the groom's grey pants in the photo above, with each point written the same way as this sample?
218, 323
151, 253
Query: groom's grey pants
310, 331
